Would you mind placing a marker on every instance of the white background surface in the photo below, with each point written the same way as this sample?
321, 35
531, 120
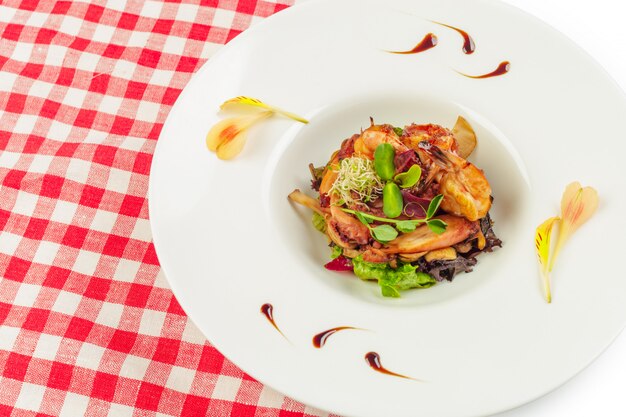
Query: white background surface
598, 27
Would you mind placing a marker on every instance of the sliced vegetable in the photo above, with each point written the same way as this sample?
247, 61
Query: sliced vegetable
340, 263
465, 137
319, 222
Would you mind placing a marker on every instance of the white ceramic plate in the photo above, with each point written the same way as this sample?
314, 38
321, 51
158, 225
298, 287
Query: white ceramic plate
230, 241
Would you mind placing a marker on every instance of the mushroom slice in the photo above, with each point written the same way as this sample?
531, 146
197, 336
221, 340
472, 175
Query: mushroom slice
445, 254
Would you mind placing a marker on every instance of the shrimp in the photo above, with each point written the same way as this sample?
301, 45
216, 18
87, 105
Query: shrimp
465, 188
370, 138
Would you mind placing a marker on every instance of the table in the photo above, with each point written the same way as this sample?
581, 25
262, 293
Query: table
88, 324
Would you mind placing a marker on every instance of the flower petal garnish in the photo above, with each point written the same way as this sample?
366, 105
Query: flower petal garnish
577, 205
228, 136
236, 102
542, 243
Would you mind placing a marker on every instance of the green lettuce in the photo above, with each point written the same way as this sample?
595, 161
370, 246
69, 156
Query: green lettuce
390, 280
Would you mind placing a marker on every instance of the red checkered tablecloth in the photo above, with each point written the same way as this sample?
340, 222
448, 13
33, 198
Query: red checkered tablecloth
88, 324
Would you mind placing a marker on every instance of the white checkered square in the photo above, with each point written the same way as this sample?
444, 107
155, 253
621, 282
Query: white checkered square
66, 302
118, 180
64, 212
25, 123
132, 143
187, 12
148, 111
142, 230
223, 18
46, 252
126, 270
22, 52
55, 55
110, 314
30, 397
90, 356
174, 45
9, 159
6, 14
71, 25
25, 203
47, 346
78, 170
123, 69
151, 8
7, 79
103, 221
26, 295
87, 61
226, 388
161, 77
119, 410
75, 97
36, 20
8, 335
59, 131
270, 398
40, 163
110, 104
9, 242
152, 322
180, 379
134, 367
192, 334
138, 39
103, 33
74, 405
40, 89
86, 262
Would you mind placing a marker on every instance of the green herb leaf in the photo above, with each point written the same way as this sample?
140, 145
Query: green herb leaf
337, 252
383, 161
389, 291
399, 131
406, 226
384, 233
409, 178
363, 218
434, 206
319, 222
438, 226
392, 200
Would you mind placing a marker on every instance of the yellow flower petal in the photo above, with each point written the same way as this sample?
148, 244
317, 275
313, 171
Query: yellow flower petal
237, 102
542, 243
228, 136
577, 205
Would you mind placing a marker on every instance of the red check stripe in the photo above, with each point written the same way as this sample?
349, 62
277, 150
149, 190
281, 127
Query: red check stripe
88, 324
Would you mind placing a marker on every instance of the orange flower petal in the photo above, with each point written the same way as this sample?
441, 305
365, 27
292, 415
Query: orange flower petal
228, 136
577, 206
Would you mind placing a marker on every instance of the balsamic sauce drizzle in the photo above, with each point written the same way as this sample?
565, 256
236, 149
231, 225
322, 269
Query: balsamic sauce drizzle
373, 360
429, 42
503, 68
319, 340
268, 311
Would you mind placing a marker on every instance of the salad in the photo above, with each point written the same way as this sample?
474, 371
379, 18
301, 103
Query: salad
403, 206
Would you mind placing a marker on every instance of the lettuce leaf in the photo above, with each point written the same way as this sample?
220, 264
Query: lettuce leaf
390, 280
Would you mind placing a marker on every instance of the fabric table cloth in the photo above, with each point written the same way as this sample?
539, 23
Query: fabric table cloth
88, 324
